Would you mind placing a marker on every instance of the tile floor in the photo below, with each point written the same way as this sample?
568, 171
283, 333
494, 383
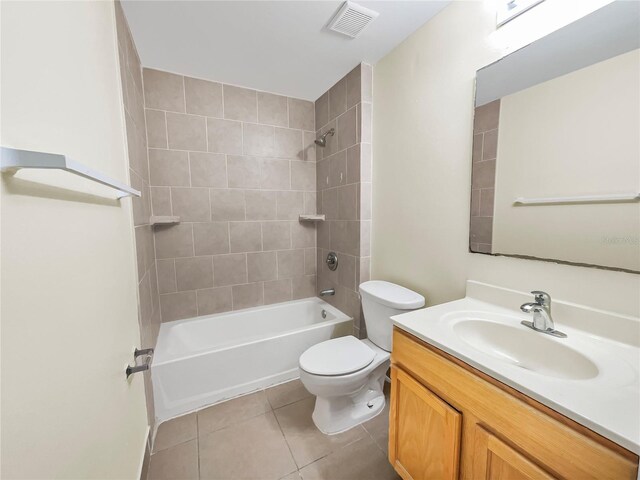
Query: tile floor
268, 435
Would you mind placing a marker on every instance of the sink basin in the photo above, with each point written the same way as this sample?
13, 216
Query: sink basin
526, 349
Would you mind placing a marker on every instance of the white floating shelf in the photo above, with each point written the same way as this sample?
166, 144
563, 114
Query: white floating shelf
311, 218
12, 159
163, 220
608, 198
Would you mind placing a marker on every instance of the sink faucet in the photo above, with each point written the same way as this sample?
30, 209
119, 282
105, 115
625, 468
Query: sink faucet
328, 291
541, 309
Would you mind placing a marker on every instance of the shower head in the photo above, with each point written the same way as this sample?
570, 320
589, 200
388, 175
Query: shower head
322, 141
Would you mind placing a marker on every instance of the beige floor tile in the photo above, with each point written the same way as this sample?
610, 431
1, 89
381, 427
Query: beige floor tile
232, 411
254, 449
175, 463
359, 461
286, 393
175, 431
378, 428
307, 443
292, 476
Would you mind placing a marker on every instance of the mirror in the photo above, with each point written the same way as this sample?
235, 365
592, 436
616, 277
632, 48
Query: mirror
556, 146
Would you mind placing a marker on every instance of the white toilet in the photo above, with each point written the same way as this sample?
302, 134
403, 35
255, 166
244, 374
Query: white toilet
346, 374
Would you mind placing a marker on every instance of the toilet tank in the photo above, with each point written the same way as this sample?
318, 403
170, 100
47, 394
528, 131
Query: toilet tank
382, 300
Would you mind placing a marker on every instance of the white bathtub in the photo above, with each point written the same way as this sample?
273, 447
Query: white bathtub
203, 360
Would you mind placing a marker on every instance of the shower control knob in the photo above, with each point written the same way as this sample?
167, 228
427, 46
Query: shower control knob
332, 261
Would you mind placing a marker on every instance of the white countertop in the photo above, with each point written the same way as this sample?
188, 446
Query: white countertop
608, 403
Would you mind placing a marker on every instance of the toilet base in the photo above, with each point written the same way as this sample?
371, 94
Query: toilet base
333, 415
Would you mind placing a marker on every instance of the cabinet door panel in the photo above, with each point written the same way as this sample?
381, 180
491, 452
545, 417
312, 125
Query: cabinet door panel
424, 432
495, 460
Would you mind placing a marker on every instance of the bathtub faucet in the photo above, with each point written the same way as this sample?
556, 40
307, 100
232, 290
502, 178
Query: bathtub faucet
328, 291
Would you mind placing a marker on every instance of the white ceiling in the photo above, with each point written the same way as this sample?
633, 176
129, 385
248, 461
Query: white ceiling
276, 46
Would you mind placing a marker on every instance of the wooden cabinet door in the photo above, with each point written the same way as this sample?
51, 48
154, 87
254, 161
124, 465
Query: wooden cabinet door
424, 431
495, 460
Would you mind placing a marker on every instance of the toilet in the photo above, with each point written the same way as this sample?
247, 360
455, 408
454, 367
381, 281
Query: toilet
347, 374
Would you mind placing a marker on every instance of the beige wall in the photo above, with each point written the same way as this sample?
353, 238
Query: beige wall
69, 321
344, 189
238, 167
133, 99
574, 135
422, 131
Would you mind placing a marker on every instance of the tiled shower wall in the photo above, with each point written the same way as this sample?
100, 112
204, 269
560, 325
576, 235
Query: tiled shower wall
148, 304
344, 189
485, 149
238, 167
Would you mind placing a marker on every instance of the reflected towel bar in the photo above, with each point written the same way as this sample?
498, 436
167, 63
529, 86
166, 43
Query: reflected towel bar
12, 159
609, 198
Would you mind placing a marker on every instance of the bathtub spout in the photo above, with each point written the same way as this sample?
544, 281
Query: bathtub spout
327, 292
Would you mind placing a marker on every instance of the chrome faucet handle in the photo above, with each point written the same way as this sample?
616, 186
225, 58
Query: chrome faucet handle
543, 298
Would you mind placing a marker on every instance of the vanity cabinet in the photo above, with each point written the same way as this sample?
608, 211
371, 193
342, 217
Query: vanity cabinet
449, 420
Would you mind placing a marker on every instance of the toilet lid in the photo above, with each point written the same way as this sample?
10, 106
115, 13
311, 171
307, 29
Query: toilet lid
338, 356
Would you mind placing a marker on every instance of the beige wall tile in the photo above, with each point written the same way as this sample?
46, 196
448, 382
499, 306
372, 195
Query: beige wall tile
347, 129
288, 143
214, 300
140, 205
481, 230
191, 204
365, 201
262, 266
260, 205
193, 273
323, 234
301, 114
168, 168
243, 172
211, 238
486, 202
229, 269
208, 169
175, 306
303, 234
272, 109
163, 91
156, 128
290, 205
304, 287
322, 111
329, 205
240, 104
290, 263
303, 176
475, 202
367, 82
203, 97
363, 270
348, 202
310, 202
338, 99
486, 117
338, 169
309, 146
166, 276
490, 145
366, 124
224, 136
276, 235
174, 241
347, 271
365, 238
275, 174
227, 205
186, 132
322, 174
483, 174
258, 140
476, 155
354, 82
310, 261
353, 164
277, 291
366, 158
247, 296
245, 237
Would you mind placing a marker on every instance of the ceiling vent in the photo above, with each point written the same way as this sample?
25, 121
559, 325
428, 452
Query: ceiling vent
351, 19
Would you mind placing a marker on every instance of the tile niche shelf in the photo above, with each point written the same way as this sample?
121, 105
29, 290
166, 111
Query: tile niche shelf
311, 218
163, 220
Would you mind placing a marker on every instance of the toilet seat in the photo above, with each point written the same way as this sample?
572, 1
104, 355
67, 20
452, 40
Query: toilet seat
339, 356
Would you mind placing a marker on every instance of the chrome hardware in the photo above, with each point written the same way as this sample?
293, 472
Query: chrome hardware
146, 352
324, 314
327, 292
332, 261
322, 141
541, 309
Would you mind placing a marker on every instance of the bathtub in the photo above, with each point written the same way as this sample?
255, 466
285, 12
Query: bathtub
203, 360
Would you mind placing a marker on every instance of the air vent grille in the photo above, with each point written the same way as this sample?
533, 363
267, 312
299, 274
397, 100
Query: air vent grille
351, 19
